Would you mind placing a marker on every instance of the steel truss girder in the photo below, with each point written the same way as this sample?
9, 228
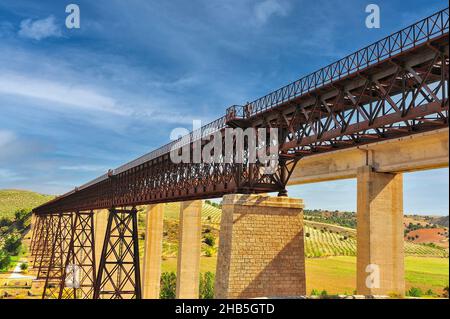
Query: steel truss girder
44, 246
36, 238
395, 87
411, 100
119, 271
80, 260
62, 225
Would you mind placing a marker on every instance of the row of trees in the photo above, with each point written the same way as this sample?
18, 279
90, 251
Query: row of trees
345, 219
214, 204
411, 227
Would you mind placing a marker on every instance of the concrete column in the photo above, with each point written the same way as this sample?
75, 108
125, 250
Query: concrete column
151, 272
189, 245
100, 224
261, 248
380, 245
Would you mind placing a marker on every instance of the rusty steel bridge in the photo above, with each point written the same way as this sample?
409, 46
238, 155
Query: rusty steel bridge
395, 87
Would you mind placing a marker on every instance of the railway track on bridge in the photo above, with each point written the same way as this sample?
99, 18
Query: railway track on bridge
395, 87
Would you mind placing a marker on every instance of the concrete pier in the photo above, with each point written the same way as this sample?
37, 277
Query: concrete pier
189, 245
151, 272
380, 244
261, 249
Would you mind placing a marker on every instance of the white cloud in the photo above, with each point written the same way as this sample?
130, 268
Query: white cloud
40, 29
6, 137
266, 9
85, 168
8, 175
58, 93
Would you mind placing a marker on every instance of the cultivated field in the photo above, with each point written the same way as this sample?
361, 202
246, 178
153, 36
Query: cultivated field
439, 236
321, 240
210, 214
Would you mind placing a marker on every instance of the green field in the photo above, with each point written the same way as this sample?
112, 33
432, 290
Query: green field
13, 200
337, 275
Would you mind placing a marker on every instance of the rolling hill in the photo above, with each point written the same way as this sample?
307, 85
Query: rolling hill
321, 239
12, 200
441, 221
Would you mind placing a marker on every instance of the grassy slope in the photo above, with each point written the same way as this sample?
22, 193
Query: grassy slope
13, 200
338, 274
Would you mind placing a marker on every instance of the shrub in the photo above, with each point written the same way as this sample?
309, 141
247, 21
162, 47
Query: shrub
207, 285
445, 294
5, 259
430, 292
168, 285
12, 244
209, 240
21, 217
23, 266
307, 234
209, 251
4, 230
414, 292
5, 222
315, 292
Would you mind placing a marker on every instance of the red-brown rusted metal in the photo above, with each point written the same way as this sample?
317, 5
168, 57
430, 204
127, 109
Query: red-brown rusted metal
80, 268
395, 87
62, 225
119, 271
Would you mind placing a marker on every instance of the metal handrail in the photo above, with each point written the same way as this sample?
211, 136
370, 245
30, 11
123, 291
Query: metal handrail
409, 37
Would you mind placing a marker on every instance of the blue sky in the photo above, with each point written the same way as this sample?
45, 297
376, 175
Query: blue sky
74, 103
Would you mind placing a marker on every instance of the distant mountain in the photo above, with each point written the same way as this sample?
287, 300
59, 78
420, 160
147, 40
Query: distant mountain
440, 221
12, 200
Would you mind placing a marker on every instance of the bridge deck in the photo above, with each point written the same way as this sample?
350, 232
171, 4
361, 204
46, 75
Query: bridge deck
396, 86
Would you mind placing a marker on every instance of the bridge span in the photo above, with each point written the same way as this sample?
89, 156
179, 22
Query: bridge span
428, 150
372, 115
